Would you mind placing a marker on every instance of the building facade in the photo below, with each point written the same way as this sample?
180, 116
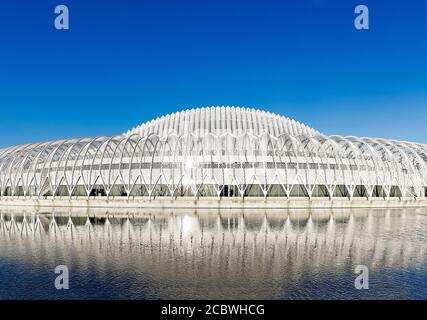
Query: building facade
216, 152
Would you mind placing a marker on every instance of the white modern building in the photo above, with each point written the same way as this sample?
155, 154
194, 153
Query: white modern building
216, 152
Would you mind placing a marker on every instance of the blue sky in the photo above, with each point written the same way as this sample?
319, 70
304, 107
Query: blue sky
125, 62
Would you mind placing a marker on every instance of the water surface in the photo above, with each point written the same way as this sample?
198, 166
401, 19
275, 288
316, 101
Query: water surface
175, 254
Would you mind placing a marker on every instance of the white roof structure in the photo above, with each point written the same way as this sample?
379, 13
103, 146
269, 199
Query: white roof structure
220, 120
216, 152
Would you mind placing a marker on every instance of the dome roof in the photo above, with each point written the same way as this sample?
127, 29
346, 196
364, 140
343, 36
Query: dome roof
221, 120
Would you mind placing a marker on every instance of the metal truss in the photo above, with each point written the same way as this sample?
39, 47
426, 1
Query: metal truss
221, 151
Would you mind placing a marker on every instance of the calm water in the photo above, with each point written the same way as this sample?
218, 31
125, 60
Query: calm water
214, 255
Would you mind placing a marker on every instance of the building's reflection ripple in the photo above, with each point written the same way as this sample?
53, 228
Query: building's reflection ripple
221, 255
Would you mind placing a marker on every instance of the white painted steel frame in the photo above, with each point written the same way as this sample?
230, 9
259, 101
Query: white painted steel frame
218, 151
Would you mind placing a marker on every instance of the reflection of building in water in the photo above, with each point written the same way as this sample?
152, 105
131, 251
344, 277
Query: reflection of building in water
217, 250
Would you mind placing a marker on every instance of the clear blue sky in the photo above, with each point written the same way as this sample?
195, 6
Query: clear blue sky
125, 62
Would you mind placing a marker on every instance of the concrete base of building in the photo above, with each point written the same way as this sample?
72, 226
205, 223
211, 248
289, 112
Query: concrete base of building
212, 203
